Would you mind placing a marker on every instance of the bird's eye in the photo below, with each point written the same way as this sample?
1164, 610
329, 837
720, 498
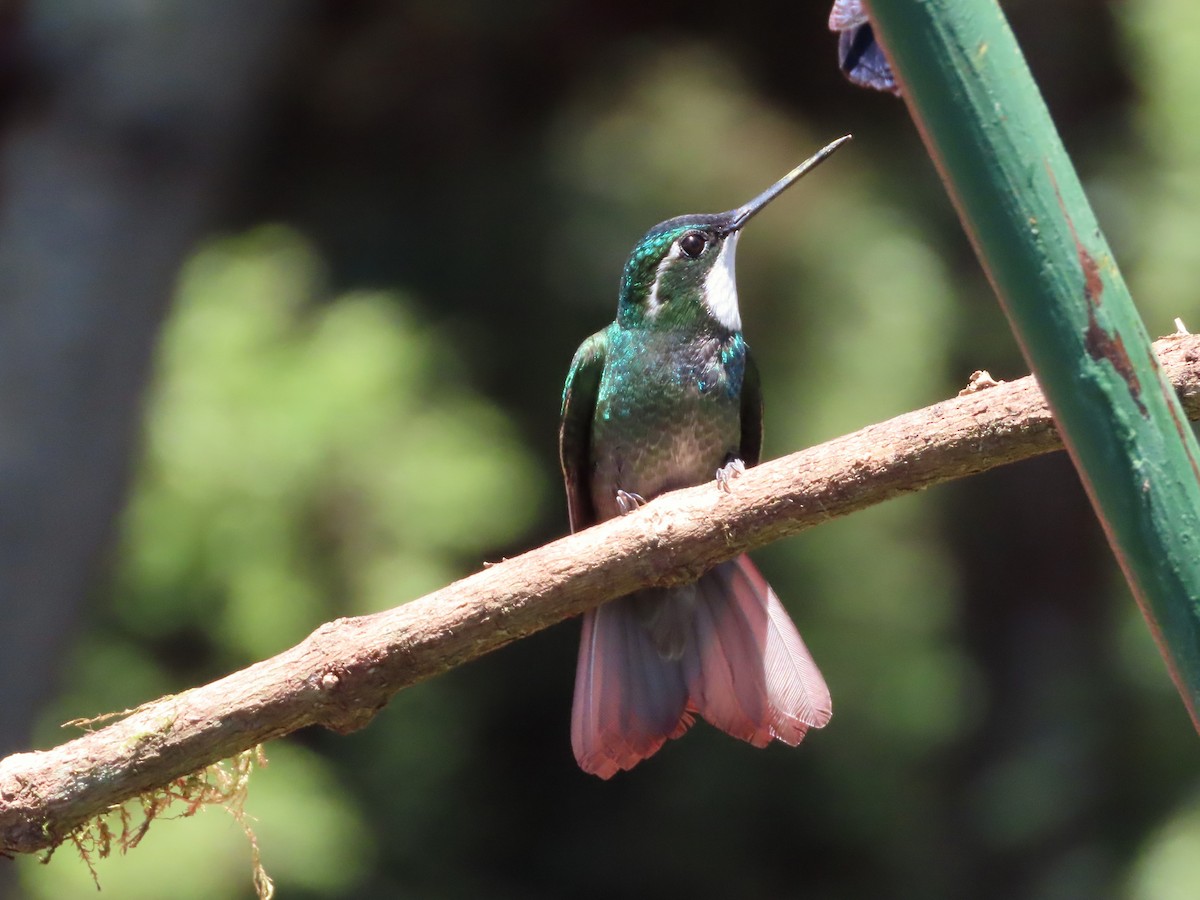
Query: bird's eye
692, 244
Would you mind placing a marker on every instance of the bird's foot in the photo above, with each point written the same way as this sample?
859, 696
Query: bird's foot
735, 468
627, 501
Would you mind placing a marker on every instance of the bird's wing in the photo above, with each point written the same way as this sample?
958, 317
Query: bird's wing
752, 414
575, 429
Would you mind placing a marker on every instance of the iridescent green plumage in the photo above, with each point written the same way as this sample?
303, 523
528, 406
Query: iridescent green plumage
667, 397
648, 411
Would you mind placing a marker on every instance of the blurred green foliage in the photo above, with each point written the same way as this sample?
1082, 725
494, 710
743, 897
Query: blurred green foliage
307, 456
289, 432
1003, 724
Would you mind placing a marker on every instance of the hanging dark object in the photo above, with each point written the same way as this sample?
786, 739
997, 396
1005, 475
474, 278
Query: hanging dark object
859, 55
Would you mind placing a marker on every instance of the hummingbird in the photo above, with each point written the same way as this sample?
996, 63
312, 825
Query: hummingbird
668, 396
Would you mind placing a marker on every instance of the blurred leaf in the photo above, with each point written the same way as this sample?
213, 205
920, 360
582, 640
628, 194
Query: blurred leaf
296, 448
306, 457
1168, 867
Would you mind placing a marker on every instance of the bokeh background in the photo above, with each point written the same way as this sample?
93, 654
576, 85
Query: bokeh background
287, 294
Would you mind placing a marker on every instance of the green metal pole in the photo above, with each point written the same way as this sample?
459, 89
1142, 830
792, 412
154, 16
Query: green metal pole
988, 130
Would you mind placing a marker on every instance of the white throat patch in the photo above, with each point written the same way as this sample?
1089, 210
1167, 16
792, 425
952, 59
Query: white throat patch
720, 288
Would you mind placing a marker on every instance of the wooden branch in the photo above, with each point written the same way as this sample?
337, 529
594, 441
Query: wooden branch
347, 670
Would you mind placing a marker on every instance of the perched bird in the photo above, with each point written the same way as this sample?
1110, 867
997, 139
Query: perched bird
666, 397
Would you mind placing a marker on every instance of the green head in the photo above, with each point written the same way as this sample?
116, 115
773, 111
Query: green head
681, 273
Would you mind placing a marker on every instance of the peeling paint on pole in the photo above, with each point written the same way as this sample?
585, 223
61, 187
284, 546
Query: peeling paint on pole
989, 132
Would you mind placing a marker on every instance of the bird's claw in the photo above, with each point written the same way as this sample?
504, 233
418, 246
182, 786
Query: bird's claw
735, 468
627, 501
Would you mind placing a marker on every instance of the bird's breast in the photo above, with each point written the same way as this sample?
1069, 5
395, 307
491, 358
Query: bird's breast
666, 417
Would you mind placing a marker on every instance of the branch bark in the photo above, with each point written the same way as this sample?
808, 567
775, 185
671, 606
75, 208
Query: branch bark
347, 670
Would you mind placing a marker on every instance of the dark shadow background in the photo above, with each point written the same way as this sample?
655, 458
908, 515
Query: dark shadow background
287, 294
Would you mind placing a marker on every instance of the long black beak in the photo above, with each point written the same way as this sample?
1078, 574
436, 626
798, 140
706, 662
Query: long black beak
746, 212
